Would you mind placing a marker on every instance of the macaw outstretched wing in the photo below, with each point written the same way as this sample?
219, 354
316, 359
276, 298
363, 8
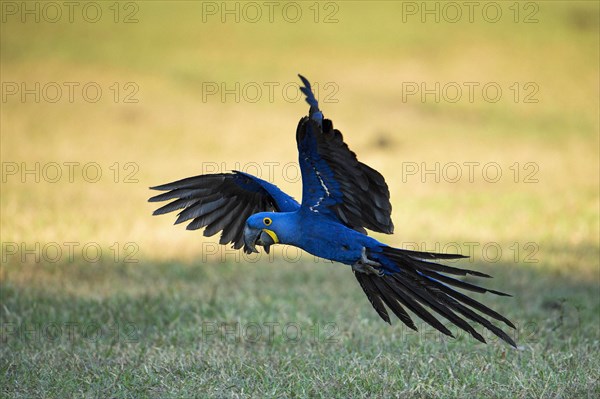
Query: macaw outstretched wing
334, 182
222, 202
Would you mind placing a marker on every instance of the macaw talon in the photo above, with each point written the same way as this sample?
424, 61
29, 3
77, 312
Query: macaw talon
367, 261
366, 269
367, 266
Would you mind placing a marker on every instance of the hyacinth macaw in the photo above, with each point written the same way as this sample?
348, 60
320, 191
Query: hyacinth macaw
341, 197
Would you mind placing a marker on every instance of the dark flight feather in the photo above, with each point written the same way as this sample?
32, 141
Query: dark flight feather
221, 202
421, 284
331, 174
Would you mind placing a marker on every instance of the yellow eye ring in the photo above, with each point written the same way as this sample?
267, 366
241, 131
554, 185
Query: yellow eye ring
267, 221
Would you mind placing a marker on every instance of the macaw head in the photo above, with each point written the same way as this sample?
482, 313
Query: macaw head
261, 228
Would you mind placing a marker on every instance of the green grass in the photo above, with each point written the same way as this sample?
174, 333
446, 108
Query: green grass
182, 322
182, 330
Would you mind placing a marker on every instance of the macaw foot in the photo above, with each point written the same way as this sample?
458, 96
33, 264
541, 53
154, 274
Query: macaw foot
367, 266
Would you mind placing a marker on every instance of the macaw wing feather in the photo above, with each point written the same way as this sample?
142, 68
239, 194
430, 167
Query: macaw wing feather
334, 182
222, 202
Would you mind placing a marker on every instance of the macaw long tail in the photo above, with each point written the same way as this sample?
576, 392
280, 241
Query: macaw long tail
420, 283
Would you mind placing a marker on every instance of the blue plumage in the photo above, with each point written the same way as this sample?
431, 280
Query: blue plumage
341, 198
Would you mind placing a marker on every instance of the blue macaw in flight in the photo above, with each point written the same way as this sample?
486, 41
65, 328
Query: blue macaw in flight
341, 198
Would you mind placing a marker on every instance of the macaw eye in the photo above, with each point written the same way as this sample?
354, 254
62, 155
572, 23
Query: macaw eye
267, 221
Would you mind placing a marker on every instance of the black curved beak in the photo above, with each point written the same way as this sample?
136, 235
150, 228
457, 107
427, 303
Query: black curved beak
253, 237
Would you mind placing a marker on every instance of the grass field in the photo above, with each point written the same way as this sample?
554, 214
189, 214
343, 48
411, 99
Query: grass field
99, 299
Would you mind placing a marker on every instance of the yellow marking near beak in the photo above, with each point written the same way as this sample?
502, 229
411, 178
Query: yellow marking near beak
272, 234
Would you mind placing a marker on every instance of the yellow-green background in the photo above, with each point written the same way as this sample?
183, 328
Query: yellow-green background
173, 132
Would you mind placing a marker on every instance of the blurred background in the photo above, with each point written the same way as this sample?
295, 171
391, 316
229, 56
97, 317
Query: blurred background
482, 116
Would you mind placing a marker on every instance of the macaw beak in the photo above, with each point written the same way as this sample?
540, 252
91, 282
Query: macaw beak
253, 237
